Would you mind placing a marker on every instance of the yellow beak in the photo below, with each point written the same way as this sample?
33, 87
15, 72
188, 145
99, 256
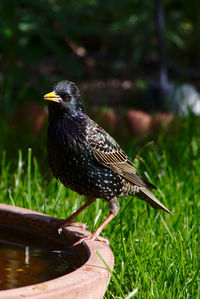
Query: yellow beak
52, 96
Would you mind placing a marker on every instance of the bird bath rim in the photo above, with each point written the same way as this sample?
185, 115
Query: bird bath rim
88, 281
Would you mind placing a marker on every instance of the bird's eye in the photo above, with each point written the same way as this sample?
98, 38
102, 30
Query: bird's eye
67, 97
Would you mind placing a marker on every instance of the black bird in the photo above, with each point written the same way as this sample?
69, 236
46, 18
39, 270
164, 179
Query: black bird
87, 159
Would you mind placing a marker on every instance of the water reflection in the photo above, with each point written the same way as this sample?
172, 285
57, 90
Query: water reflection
22, 264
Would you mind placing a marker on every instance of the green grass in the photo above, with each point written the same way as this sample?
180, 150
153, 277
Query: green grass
156, 254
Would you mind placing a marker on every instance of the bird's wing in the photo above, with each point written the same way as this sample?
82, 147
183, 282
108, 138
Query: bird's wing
108, 153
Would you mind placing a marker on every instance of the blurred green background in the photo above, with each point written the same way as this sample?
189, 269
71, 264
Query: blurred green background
44, 41
109, 48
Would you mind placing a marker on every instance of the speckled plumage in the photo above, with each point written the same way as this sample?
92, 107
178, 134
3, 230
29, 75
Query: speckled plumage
86, 158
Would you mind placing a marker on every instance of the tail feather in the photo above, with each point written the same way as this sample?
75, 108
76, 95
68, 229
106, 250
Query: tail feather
152, 200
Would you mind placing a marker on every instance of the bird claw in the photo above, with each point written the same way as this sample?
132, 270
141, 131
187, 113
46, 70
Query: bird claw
60, 230
91, 238
73, 224
60, 224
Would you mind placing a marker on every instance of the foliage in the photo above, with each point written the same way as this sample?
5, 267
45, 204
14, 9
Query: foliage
47, 40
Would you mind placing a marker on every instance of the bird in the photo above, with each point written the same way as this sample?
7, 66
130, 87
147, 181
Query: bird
86, 159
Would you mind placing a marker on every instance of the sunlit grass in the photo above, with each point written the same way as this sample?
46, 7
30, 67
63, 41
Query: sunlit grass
156, 254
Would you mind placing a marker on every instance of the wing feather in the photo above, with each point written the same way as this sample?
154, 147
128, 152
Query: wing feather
108, 153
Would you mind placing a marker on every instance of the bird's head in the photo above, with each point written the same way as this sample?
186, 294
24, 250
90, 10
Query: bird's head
65, 99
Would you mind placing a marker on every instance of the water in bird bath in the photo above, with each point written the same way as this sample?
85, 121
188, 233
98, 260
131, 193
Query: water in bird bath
27, 259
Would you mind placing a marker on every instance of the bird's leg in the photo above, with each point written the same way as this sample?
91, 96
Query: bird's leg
69, 221
114, 209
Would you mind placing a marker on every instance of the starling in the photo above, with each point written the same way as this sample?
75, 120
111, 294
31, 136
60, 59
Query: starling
86, 159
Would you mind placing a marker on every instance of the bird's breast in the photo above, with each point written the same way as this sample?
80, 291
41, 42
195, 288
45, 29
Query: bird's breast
68, 154
72, 162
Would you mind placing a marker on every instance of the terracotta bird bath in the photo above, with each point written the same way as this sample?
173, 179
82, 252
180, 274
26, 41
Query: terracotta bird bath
90, 280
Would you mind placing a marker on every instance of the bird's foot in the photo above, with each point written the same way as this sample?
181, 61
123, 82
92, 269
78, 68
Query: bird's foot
91, 237
64, 224
58, 225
